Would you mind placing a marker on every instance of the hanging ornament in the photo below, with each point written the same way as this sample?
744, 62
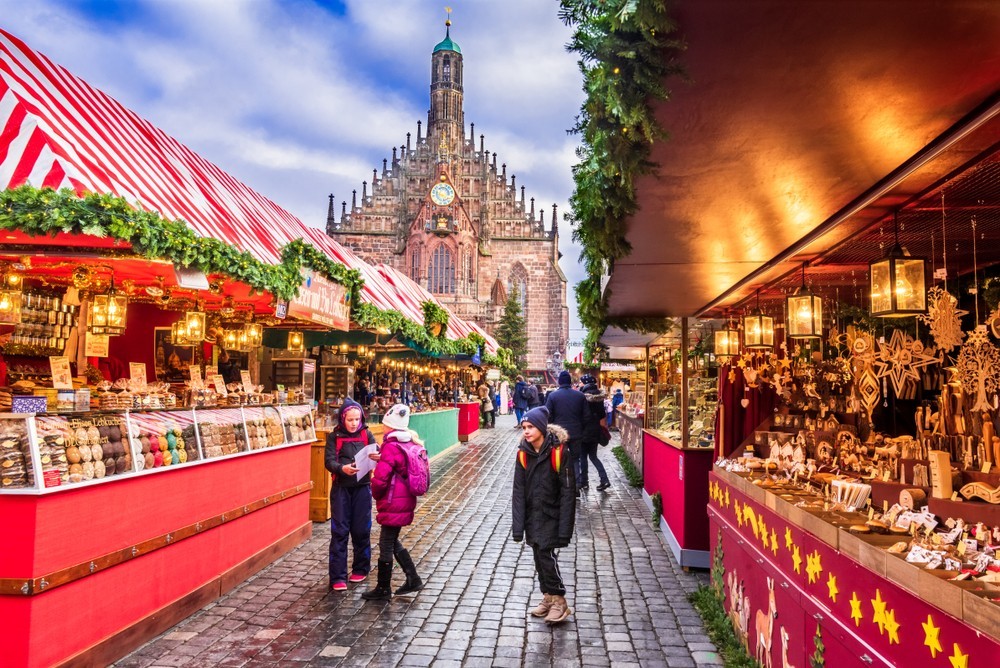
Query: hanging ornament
944, 319
901, 359
995, 322
979, 368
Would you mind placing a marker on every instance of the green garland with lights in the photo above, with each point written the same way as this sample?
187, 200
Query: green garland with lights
627, 49
434, 315
44, 211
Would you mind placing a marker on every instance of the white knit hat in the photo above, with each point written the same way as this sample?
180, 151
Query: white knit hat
397, 417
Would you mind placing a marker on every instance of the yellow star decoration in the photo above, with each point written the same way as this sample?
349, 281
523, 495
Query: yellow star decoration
727, 497
739, 515
732, 376
958, 660
713, 490
788, 539
774, 542
931, 636
814, 567
796, 559
742, 363
892, 626
879, 607
831, 584
762, 526
856, 608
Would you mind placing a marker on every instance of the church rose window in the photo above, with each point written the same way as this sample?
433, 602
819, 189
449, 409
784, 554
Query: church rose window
441, 272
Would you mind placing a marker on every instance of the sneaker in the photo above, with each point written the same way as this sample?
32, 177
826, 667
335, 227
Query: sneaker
603, 486
339, 586
358, 577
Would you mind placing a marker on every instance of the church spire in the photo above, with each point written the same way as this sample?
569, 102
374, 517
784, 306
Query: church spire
446, 118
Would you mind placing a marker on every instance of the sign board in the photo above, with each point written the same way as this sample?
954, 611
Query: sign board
191, 278
281, 309
477, 357
247, 382
62, 377
137, 372
323, 302
220, 385
96, 345
195, 375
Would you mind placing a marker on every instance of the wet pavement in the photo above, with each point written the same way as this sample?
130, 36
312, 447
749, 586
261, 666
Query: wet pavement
628, 593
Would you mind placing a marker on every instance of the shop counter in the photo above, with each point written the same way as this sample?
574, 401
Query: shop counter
468, 420
142, 548
437, 429
801, 591
630, 429
680, 475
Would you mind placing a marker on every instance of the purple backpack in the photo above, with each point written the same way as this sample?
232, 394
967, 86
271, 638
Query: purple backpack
418, 467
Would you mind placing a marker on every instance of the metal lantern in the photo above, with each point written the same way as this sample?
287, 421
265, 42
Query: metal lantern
898, 282
805, 313
108, 312
254, 333
178, 333
727, 342
229, 338
10, 307
195, 321
758, 329
242, 342
296, 342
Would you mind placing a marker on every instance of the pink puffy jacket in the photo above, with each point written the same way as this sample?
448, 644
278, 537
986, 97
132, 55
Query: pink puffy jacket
394, 504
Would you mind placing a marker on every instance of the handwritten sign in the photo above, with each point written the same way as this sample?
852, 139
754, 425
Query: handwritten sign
137, 372
195, 375
220, 385
96, 345
62, 376
247, 382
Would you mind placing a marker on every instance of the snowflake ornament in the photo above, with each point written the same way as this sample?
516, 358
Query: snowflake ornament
901, 359
944, 319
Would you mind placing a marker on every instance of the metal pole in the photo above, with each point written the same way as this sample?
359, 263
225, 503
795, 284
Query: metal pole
684, 382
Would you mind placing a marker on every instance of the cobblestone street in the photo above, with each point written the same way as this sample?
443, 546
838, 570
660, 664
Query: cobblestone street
628, 594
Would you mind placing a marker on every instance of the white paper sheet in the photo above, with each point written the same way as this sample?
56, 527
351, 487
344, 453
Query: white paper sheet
364, 464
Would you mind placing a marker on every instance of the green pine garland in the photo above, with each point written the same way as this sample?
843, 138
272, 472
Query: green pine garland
627, 49
44, 211
434, 315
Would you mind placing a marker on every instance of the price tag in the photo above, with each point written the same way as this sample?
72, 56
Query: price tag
247, 383
885, 476
137, 372
62, 376
960, 548
987, 466
96, 345
936, 538
871, 513
195, 375
954, 496
220, 385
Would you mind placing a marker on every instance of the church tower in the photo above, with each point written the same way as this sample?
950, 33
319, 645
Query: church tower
446, 118
443, 212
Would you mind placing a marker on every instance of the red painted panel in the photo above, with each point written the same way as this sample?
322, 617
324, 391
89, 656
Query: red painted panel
468, 418
681, 476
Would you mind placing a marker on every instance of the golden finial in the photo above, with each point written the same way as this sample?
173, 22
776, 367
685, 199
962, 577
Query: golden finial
447, 21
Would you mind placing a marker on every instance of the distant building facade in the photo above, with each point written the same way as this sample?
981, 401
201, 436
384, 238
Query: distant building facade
444, 214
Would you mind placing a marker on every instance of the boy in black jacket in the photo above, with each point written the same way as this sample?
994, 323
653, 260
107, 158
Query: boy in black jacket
350, 498
544, 483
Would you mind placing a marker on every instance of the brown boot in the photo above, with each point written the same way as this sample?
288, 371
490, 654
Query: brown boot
542, 609
559, 612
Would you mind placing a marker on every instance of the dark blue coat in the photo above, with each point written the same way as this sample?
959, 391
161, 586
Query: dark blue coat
520, 402
568, 409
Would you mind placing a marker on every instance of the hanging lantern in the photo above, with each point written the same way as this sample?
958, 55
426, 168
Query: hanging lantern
296, 342
195, 321
805, 313
898, 282
727, 342
229, 337
178, 333
10, 299
108, 312
254, 333
242, 342
758, 329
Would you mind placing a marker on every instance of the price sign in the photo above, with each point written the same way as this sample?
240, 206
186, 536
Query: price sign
220, 385
195, 375
96, 345
62, 376
247, 383
137, 372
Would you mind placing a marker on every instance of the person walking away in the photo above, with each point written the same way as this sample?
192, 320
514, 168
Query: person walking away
568, 408
394, 505
616, 401
350, 498
495, 397
544, 507
594, 421
520, 399
534, 398
486, 405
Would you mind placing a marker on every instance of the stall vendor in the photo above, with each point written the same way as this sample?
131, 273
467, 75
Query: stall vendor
229, 366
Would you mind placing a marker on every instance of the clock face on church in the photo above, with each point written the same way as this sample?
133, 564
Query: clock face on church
442, 194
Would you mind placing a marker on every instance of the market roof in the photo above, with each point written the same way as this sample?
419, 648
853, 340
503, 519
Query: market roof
802, 123
446, 44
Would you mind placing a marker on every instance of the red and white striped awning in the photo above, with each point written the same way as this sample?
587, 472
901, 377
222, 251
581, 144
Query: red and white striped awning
58, 131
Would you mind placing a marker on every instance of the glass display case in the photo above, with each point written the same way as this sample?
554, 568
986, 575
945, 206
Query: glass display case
46, 452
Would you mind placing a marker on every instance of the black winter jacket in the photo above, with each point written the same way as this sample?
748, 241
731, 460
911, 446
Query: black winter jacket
341, 448
544, 499
595, 413
568, 409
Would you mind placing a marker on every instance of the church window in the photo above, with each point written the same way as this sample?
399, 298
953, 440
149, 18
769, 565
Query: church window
441, 272
446, 69
415, 265
519, 281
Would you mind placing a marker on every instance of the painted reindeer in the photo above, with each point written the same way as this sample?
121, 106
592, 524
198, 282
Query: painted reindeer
765, 625
784, 648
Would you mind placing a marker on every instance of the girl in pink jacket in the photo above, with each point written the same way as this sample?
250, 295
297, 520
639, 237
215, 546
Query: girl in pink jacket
394, 505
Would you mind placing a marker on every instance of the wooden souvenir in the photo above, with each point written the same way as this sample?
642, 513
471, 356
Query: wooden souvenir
912, 498
988, 438
940, 472
981, 490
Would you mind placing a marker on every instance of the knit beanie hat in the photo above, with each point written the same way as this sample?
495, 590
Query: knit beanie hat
565, 380
397, 417
350, 405
539, 417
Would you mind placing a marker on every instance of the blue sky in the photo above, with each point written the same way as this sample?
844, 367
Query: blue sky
301, 98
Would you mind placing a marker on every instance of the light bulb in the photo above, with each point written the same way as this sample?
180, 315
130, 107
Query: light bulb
5, 302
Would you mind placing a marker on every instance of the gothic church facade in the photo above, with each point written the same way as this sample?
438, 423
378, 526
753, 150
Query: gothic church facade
444, 214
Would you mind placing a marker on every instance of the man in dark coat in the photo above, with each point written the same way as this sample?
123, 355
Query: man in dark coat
544, 507
533, 397
520, 400
593, 422
568, 409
